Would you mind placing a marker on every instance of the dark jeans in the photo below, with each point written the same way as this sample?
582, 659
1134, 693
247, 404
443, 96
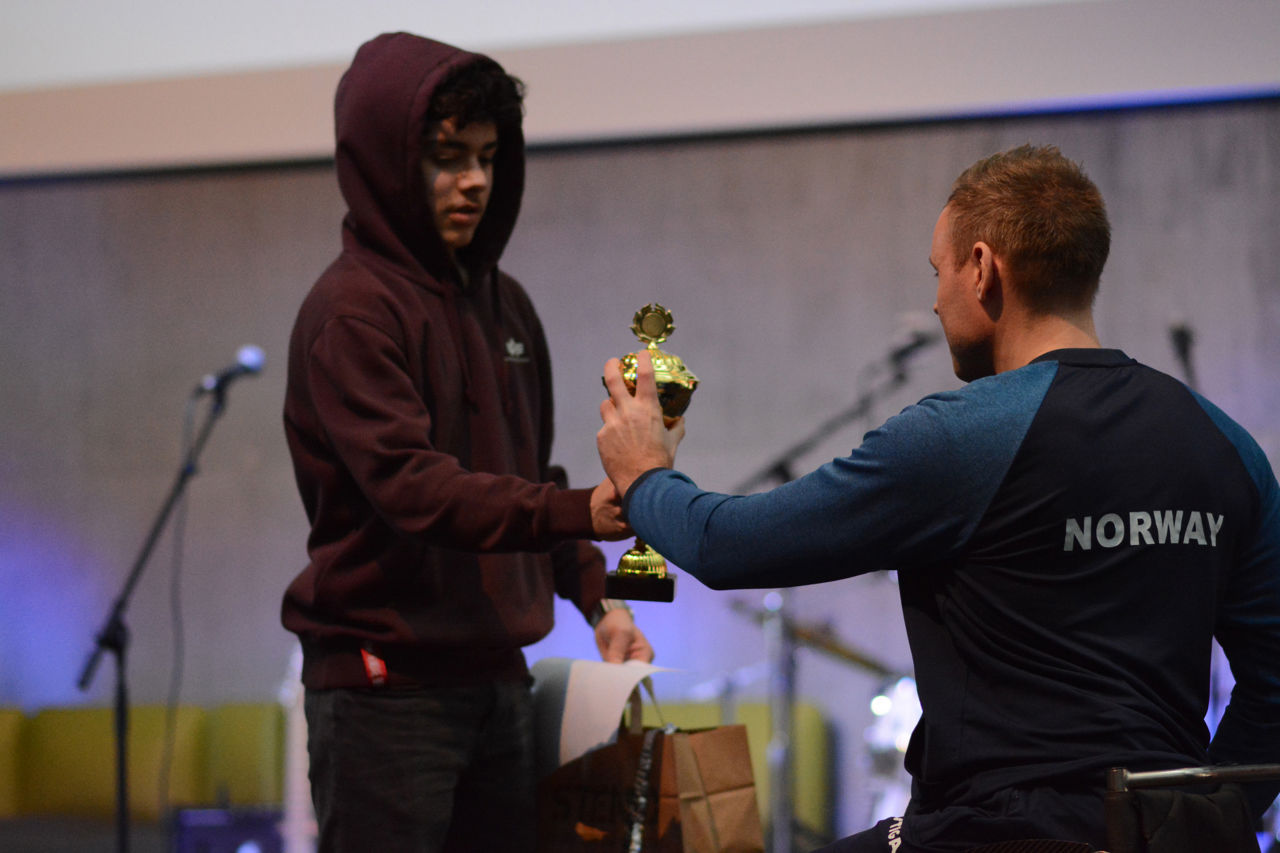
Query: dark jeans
439, 769
1010, 815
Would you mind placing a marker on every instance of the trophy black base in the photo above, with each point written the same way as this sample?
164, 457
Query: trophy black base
639, 587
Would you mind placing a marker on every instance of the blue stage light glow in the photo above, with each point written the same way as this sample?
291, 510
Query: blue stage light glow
49, 611
1109, 101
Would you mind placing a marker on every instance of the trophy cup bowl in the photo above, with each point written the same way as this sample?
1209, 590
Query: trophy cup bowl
642, 572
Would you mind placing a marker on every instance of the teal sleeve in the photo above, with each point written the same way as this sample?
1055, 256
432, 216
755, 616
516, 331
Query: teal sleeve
1249, 628
913, 492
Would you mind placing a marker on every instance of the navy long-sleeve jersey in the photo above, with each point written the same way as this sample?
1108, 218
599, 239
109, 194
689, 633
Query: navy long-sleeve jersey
1069, 537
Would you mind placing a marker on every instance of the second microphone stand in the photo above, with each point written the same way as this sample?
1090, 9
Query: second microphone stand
114, 636
776, 622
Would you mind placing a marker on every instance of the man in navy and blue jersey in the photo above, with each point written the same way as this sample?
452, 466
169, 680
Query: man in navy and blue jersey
1071, 529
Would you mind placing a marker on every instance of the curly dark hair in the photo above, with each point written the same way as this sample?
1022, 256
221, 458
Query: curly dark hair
480, 91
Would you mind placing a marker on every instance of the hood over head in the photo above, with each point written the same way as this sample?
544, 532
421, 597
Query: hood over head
380, 118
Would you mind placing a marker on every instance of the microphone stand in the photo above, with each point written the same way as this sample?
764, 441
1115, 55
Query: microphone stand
114, 636
780, 471
779, 627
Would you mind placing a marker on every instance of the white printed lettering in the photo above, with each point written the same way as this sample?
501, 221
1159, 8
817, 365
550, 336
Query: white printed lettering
895, 835
1115, 536
1195, 529
1077, 535
1168, 526
1215, 524
1140, 528
1110, 531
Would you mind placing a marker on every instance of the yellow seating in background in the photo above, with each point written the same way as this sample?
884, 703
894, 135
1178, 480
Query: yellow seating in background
810, 752
60, 762
240, 736
11, 721
68, 761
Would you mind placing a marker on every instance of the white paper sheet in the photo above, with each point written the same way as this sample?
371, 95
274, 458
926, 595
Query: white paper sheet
578, 704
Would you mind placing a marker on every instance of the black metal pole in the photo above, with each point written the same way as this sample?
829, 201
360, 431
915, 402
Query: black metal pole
122, 741
781, 647
781, 643
114, 636
780, 469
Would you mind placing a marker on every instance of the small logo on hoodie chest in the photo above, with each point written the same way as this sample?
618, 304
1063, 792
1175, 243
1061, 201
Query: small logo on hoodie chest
516, 352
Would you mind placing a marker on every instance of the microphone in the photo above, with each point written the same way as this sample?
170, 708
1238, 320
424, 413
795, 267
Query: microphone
1182, 337
249, 361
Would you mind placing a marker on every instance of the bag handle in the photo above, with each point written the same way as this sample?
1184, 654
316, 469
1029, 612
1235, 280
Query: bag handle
638, 808
635, 706
639, 805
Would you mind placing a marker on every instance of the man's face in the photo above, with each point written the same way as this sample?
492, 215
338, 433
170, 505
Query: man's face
965, 322
458, 170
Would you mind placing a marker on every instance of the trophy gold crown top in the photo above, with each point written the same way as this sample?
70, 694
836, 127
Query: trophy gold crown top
653, 324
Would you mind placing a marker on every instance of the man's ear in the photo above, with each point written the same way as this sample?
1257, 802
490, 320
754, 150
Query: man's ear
987, 272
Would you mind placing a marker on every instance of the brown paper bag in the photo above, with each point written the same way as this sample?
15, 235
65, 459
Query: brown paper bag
716, 791
694, 794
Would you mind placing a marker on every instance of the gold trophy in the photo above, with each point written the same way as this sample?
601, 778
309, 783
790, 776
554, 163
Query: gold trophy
642, 573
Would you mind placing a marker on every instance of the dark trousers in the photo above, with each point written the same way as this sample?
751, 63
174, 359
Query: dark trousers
438, 769
1010, 815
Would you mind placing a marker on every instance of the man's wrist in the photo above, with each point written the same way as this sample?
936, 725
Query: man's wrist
626, 479
606, 605
625, 495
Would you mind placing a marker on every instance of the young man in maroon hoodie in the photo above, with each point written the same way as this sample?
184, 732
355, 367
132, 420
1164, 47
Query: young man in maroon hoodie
419, 419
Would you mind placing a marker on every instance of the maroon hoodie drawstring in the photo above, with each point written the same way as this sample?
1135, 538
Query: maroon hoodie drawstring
455, 327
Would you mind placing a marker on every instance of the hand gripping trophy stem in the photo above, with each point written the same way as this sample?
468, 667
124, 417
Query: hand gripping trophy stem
642, 572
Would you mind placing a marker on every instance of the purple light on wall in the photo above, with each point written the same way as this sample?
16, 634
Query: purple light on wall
49, 610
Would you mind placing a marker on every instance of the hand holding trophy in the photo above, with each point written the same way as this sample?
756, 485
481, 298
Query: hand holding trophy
642, 572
